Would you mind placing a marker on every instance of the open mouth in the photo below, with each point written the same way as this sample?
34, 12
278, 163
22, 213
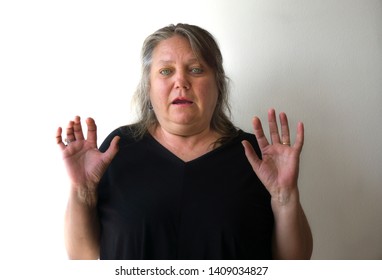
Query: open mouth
182, 101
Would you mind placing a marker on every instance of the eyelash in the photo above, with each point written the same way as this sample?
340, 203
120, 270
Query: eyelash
199, 70
165, 70
194, 70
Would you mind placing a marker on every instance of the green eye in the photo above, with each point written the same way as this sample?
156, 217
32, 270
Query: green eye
196, 70
165, 72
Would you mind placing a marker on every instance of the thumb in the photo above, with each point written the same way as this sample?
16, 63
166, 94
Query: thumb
251, 155
112, 150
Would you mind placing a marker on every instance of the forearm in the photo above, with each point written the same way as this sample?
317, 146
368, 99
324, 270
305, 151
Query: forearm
292, 235
81, 228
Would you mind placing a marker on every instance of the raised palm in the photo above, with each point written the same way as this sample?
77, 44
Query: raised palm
84, 163
279, 166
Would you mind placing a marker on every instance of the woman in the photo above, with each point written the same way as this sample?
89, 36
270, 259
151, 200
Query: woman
178, 184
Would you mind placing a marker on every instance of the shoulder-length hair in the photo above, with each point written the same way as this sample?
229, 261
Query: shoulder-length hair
204, 46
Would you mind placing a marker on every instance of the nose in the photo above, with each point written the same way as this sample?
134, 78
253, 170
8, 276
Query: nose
181, 81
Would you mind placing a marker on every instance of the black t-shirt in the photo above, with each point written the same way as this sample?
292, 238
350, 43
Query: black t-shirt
153, 205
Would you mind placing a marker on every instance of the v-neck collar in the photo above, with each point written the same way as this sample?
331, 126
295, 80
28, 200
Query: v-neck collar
206, 155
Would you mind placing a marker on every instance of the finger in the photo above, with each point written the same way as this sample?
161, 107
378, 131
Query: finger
285, 135
251, 155
92, 131
259, 133
299, 136
59, 138
273, 129
70, 132
77, 128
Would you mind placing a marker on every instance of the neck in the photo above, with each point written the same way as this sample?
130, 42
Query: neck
187, 147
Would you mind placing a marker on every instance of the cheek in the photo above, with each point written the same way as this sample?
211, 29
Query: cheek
158, 91
161, 86
210, 94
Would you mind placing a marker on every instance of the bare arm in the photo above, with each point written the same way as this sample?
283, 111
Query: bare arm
81, 229
278, 170
292, 237
85, 165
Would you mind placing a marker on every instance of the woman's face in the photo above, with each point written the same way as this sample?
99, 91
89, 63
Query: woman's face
183, 89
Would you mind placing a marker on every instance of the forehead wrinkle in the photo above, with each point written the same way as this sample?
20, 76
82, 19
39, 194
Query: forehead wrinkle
170, 61
175, 50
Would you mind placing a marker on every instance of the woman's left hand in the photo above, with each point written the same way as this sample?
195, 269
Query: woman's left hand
279, 167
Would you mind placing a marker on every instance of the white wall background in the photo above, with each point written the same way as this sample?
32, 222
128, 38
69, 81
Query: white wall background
319, 60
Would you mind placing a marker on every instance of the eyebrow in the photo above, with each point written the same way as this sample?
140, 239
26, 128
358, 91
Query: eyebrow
192, 60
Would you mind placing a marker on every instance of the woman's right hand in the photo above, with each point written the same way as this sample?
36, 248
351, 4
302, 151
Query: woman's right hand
84, 163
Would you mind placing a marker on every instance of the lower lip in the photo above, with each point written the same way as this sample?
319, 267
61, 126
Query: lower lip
183, 104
